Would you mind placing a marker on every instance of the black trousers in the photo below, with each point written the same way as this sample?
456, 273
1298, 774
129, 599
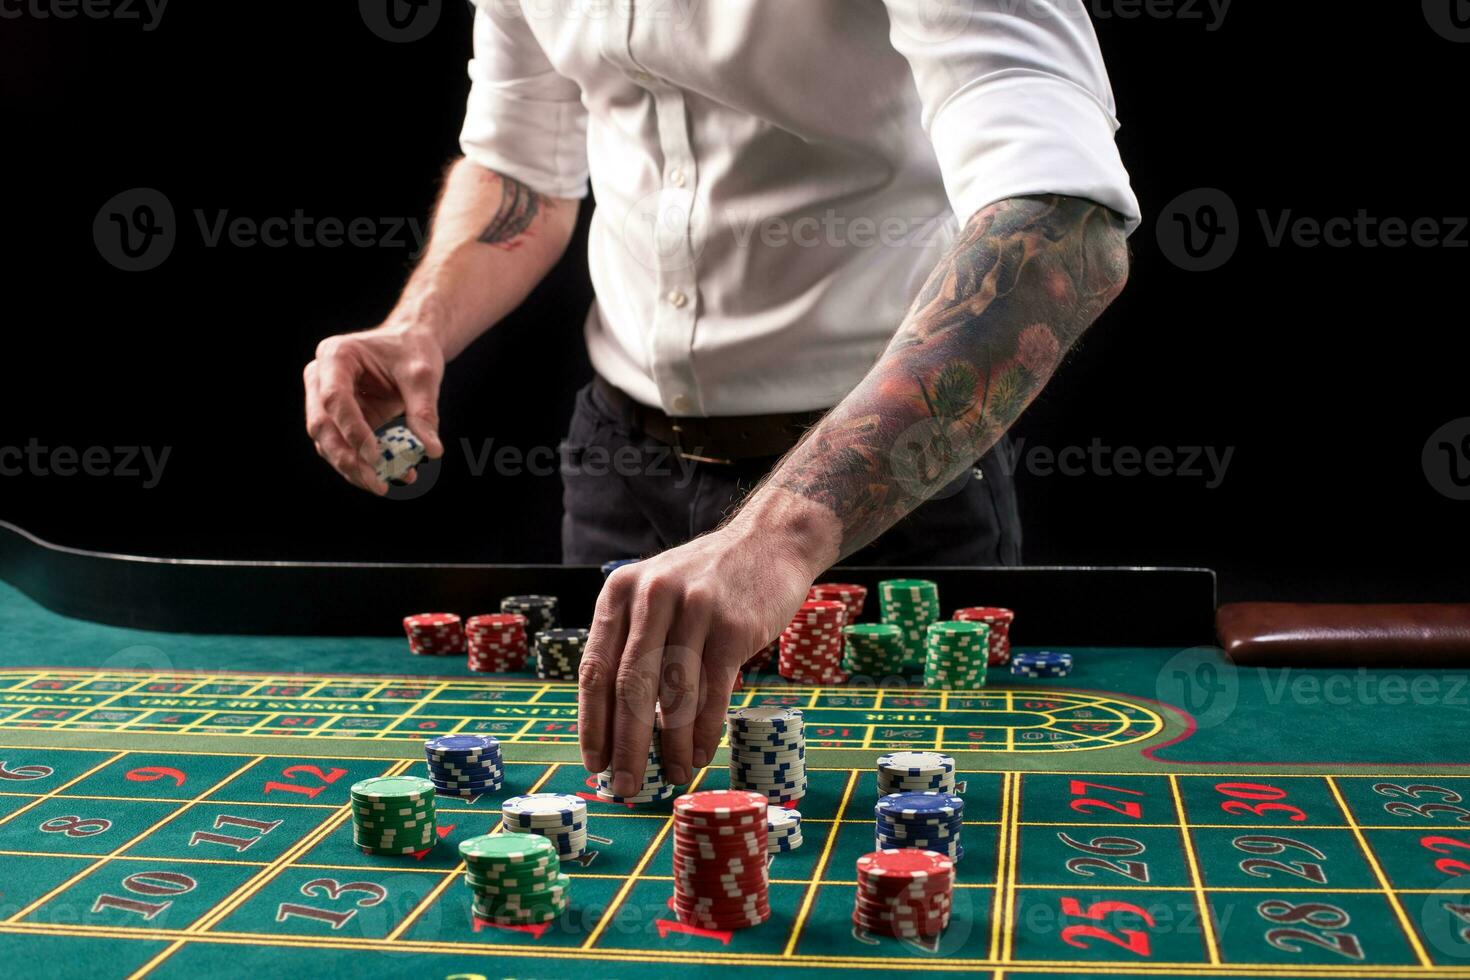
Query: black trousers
626, 495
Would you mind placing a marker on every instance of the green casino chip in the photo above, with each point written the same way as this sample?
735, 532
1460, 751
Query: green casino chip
393, 790
956, 655
502, 850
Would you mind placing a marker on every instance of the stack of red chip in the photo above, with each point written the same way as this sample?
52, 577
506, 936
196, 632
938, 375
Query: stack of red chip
851, 596
905, 892
720, 847
1000, 629
497, 643
811, 646
434, 634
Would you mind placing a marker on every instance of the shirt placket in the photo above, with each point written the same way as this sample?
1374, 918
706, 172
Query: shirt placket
642, 26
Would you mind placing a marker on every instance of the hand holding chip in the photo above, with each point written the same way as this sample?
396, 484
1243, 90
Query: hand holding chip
359, 381
673, 631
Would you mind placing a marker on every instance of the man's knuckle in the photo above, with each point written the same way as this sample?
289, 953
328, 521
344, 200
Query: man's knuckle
632, 689
699, 598
658, 586
615, 591
594, 673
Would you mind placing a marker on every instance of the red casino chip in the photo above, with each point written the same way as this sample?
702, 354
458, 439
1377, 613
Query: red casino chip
811, 644
904, 892
720, 847
496, 643
714, 805
434, 634
851, 596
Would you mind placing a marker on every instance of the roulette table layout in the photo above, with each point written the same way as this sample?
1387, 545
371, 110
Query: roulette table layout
180, 742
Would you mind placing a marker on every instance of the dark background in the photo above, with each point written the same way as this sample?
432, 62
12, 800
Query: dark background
1324, 370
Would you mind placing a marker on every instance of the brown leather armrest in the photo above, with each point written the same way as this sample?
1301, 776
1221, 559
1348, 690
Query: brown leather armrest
1325, 635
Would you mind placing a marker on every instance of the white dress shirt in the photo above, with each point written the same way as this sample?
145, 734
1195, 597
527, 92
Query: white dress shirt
775, 179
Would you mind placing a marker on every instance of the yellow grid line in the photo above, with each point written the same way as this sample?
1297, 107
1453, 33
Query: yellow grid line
1008, 929
1206, 918
1010, 732
811, 892
1003, 858
1388, 891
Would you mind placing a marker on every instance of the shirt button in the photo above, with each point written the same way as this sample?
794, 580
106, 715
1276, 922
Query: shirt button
678, 300
676, 177
680, 404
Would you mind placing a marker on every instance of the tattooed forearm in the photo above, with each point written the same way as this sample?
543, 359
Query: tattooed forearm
1025, 279
519, 206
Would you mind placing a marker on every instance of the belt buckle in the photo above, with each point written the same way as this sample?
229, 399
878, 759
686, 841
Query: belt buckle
691, 457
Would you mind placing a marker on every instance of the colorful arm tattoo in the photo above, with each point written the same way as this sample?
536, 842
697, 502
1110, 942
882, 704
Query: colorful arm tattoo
1026, 277
519, 206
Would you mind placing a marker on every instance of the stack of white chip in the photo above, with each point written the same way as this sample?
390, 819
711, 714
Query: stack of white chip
559, 817
653, 789
768, 752
399, 451
915, 772
783, 829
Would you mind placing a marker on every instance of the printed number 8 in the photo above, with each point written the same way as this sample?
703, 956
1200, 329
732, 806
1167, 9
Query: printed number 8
74, 826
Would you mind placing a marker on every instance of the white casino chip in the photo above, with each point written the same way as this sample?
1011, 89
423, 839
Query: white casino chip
399, 451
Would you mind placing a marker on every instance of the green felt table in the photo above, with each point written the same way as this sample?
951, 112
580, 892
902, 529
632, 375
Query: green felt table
173, 805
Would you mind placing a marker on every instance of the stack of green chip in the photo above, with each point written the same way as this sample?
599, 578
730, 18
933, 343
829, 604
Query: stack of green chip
911, 604
516, 878
873, 649
393, 815
956, 655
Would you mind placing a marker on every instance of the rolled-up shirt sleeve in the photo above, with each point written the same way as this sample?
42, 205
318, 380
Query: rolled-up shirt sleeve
523, 120
1016, 100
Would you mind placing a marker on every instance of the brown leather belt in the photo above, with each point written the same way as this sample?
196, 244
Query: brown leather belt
722, 440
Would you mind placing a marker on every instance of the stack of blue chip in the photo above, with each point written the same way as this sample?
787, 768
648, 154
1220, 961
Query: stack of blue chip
608, 567
783, 829
928, 821
1043, 664
465, 765
768, 752
653, 789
